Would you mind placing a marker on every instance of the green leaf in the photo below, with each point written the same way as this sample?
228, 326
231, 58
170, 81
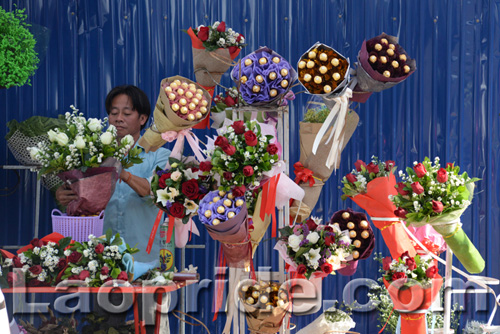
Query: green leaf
117, 241
115, 272
109, 235
301, 251
63, 243
286, 231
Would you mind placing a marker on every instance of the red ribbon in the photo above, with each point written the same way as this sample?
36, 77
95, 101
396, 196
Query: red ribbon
54, 237
153, 231
303, 174
219, 283
268, 203
171, 223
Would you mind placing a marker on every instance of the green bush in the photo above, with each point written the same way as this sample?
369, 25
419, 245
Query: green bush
18, 59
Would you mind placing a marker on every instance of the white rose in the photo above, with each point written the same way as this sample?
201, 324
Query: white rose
175, 175
94, 125
313, 237
52, 135
127, 140
62, 139
111, 128
345, 239
33, 152
80, 142
294, 242
106, 138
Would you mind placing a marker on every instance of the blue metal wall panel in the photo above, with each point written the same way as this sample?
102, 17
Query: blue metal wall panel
448, 108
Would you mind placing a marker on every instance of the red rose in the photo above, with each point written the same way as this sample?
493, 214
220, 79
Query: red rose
351, 178
12, 279
36, 270
397, 276
240, 36
74, 257
190, 189
442, 175
326, 268
358, 165
372, 168
239, 191
221, 141
410, 263
17, 262
272, 149
401, 189
248, 171
123, 276
431, 272
329, 240
221, 27
250, 138
229, 101
239, 127
177, 210
104, 270
74, 278
437, 206
301, 269
386, 263
229, 150
83, 275
311, 225
405, 254
163, 178
227, 175
38, 243
449, 165
62, 263
36, 282
420, 169
232, 49
99, 248
203, 34
389, 164
205, 166
400, 212
328, 228
417, 188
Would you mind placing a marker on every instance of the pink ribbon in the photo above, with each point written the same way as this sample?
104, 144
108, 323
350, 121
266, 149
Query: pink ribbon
193, 141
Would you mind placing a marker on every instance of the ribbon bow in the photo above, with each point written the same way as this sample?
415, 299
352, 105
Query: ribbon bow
303, 174
289, 96
193, 141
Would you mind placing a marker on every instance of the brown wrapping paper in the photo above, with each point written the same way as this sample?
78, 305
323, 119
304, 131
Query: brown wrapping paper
259, 226
209, 66
264, 321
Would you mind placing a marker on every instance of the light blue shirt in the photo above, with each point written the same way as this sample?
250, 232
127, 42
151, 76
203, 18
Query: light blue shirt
133, 216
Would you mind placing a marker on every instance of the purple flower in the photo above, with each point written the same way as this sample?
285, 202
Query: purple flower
343, 243
305, 230
304, 242
202, 189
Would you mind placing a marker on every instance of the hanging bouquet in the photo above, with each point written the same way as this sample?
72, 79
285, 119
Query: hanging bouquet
217, 36
310, 248
86, 158
413, 284
431, 194
369, 186
230, 98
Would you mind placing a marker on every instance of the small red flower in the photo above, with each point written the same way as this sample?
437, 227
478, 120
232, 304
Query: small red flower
221, 141
248, 171
203, 33
417, 188
228, 176
229, 150
123, 276
372, 168
442, 175
420, 169
400, 212
326, 268
83, 275
401, 189
74, 257
36, 270
239, 191
177, 210
272, 149
389, 164
301, 269
329, 239
206, 166
311, 225
239, 127
104, 270
358, 165
397, 276
351, 178
449, 165
163, 179
229, 101
431, 272
437, 206
250, 138
221, 27
386, 263
410, 263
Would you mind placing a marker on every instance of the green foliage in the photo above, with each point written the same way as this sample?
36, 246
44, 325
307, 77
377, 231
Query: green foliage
317, 115
18, 59
34, 126
99, 324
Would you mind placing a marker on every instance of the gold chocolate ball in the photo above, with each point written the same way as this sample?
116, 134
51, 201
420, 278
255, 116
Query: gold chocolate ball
192, 85
263, 61
216, 199
269, 306
259, 78
317, 79
256, 287
175, 107
284, 72
346, 215
248, 62
185, 85
228, 202
383, 59
243, 79
199, 91
387, 74
199, 115
336, 76
392, 46
230, 214
311, 54
215, 221
378, 46
336, 225
184, 110
195, 101
406, 68
283, 296
180, 91
352, 234
171, 96
276, 60
250, 300
323, 57
192, 106
269, 289
191, 117
364, 224
273, 92
256, 88
255, 294
350, 225
284, 83
183, 101
275, 287
357, 243
384, 41
395, 64
390, 52
263, 299
244, 288
355, 254
281, 303
230, 196
402, 57
272, 76
239, 202
222, 192
373, 58
365, 234
189, 94
174, 85
204, 102
307, 77
208, 213
310, 64
302, 64
335, 62
323, 69
168, 90
203, 110
327, 88
199, 96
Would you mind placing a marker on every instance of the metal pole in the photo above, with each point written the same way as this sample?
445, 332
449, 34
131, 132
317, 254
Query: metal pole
447, 291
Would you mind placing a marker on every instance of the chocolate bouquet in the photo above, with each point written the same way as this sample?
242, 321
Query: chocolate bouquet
265, 303
263, 77
181, 105
360, 233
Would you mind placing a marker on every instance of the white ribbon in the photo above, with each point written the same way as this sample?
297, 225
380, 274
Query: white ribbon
340, 111
385, 219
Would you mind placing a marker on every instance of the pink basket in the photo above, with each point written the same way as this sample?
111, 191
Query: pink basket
78, 228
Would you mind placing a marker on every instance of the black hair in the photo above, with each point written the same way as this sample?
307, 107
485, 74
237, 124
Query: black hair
139, 99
